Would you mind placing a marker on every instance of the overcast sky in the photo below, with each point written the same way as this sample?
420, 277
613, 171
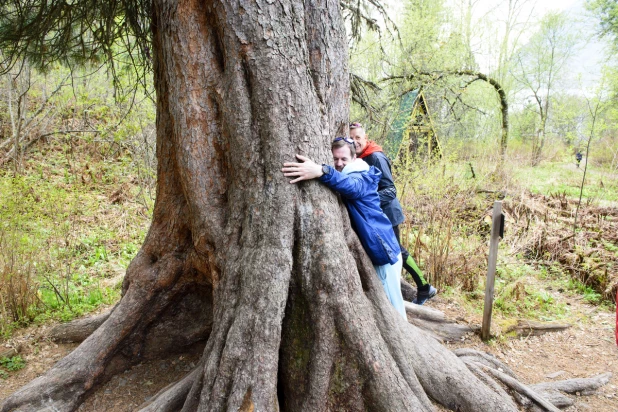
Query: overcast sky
587, 62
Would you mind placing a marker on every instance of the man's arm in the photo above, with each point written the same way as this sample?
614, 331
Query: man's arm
349, 186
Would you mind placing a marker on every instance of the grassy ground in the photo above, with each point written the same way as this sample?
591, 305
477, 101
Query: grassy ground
70, 226
448, 211
565, 177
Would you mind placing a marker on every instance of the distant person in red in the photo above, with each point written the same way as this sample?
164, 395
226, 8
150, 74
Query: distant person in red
374, 156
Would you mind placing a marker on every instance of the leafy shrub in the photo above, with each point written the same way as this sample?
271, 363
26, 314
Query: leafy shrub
13, 363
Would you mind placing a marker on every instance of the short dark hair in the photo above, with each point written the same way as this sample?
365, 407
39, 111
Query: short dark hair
341, 143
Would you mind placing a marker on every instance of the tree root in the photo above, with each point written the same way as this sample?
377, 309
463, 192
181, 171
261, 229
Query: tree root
436, 324
585, 386
521, 388
77, 330
173, 396
484, 358
407, 291
546, 395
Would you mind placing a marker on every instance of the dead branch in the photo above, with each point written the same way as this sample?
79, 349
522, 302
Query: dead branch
533, 328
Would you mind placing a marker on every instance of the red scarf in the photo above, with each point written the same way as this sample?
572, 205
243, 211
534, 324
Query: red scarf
372, 147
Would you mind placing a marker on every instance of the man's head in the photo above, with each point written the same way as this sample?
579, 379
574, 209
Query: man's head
344, 152
357, 133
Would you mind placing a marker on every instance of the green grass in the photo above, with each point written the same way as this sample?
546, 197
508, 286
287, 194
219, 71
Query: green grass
564, 177
518, 293
63, 238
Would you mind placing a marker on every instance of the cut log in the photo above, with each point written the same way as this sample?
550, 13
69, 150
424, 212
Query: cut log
77, 330
533, 328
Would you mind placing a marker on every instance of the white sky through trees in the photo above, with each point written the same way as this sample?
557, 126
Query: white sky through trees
488, 17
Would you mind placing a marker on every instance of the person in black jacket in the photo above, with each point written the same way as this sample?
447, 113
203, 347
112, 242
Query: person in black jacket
373, 155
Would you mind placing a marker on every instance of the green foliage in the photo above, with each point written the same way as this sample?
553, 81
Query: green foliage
517, 294
45, 271
81, 31
589, 294
13, 363
442, 228
607, 12
74, 217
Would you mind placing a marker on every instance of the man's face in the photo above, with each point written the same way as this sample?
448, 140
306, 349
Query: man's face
341, 157
360, 139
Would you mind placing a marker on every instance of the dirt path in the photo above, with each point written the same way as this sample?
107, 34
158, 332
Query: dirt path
586, 349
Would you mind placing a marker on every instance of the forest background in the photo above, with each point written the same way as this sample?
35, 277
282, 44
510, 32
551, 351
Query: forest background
77, 159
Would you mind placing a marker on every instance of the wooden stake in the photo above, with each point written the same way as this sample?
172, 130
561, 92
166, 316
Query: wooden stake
496, 222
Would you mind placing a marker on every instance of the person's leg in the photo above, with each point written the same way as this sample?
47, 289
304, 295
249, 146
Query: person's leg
424, 290
410, 265
390, 275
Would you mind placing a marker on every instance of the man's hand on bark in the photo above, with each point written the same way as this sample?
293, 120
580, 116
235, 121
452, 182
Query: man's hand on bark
306, 170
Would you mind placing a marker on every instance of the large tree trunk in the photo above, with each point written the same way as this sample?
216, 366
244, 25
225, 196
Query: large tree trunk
288, 308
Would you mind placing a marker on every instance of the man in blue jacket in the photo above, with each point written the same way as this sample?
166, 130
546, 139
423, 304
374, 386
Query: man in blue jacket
373, 155
357, 183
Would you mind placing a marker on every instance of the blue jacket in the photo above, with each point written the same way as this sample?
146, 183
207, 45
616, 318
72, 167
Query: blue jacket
358, 186
386, 187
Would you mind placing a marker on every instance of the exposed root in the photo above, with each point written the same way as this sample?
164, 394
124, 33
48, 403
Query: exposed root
425, 313
484, 358
78, 330
585, 386
436, 324
530, 396
487, 380
172, 397
408, 291
521, 388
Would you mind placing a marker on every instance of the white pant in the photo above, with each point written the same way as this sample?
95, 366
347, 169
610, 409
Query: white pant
390, 277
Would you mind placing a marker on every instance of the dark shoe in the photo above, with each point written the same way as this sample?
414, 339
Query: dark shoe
423, 297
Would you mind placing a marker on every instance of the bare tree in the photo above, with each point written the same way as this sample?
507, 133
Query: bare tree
26, 115
539, 65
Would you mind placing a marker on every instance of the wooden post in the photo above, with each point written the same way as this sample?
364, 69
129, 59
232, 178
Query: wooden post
496, 222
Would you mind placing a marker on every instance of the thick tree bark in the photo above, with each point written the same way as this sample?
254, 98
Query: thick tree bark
259, 271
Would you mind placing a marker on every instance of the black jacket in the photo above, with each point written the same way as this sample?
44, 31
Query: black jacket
386, 188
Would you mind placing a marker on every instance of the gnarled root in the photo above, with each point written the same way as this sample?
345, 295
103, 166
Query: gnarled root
144, 325
542, 396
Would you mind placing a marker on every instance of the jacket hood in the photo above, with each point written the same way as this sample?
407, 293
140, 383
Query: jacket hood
371, 148
358, 165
